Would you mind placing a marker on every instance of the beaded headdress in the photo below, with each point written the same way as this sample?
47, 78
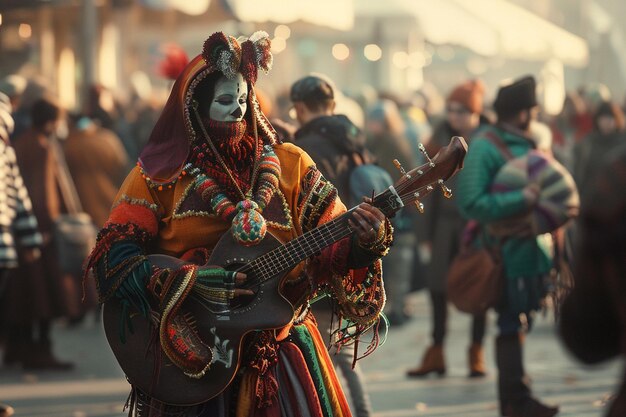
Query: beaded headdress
245, 56
170, 142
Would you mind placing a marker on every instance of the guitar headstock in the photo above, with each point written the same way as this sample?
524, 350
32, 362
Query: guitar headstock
421, 181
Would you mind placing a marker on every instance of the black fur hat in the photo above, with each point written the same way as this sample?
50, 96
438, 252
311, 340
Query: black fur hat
517, 96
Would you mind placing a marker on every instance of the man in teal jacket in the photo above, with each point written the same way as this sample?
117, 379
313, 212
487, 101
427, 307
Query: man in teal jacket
526, 261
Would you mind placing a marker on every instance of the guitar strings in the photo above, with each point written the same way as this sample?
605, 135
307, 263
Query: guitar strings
264, 266
333, 229
332, 232
336, 229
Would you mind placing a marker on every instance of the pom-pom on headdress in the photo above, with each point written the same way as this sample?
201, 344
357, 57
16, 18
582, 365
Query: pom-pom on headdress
231, 56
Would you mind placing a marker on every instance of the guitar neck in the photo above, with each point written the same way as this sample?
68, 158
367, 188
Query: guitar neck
287, 256
413, 185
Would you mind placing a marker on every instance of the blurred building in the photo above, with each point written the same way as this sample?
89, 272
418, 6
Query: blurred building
393, 45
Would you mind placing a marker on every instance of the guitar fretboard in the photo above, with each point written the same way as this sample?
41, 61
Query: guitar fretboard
308, 244
415, 184
296, 250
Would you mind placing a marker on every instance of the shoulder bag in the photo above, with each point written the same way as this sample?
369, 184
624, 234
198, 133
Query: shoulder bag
475, 277
74, 231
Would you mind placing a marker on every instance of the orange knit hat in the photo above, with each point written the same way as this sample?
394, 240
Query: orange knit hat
470, 94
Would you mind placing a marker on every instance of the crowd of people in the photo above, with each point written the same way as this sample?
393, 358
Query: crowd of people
224, 153
43, 148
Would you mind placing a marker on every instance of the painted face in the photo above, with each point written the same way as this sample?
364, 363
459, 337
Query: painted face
229, 103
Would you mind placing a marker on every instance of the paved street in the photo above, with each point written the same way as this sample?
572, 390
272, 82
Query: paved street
96, 388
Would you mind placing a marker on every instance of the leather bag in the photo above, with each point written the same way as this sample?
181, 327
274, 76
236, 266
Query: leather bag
475, 279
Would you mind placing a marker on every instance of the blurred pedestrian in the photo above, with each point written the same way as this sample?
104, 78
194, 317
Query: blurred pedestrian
417, 129
594, 94
609, 133
98, 163
568, 128
35, 89
593, 316
333, 142
385, 132
18, 225
142, 115
104, 110
527, 260
443, 225
49, 294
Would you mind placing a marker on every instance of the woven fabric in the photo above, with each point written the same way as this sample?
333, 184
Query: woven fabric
558, 200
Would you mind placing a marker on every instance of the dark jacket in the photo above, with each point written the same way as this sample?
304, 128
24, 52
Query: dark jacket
588, 155
332, 141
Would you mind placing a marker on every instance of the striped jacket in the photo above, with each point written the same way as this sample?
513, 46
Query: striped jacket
18, 225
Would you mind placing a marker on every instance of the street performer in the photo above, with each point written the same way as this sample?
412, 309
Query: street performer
214, 166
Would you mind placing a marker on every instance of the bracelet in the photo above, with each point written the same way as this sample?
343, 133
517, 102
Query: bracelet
384, 239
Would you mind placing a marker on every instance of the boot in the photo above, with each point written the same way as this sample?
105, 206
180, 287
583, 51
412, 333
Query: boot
530, 407
6, 410
43, 359
476, 360
513, 388
433, 361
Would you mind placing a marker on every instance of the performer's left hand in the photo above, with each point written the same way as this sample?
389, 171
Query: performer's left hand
366, 221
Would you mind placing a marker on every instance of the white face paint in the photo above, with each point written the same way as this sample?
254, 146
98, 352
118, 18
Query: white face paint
229, 102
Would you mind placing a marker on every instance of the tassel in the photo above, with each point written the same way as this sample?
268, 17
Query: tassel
264, 360
266, 389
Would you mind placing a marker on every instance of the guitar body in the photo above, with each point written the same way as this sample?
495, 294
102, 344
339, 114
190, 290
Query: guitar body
148, 368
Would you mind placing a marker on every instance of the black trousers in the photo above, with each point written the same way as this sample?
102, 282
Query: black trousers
439, 303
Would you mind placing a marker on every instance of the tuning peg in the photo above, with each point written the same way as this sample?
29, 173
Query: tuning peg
418, 204
400, 168
447, 193
423, 151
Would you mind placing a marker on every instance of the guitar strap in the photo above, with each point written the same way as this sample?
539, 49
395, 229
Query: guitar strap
497, 141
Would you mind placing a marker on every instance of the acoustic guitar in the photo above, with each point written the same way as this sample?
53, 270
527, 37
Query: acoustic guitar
144, 362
